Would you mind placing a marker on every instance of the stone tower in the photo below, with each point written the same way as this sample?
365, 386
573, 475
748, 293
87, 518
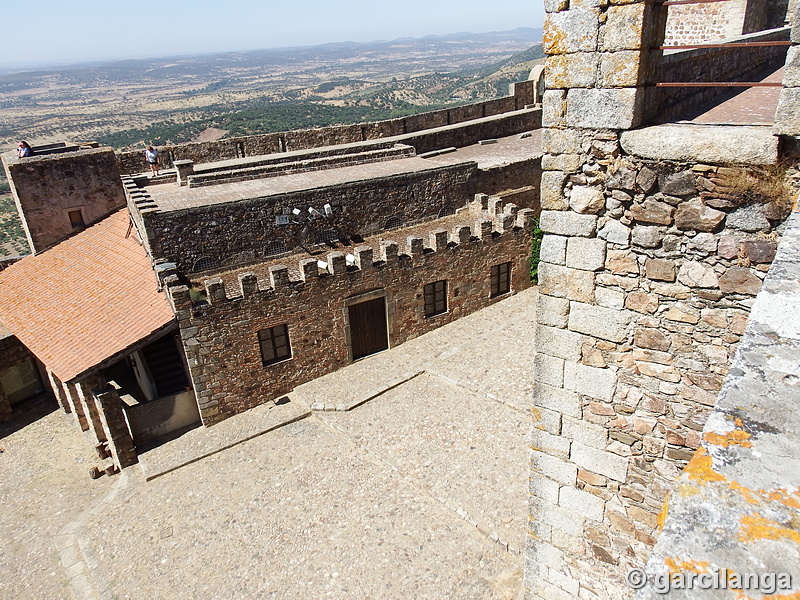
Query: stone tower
63, 189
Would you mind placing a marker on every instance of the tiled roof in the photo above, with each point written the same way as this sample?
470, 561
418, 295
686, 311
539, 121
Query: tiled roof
84, 300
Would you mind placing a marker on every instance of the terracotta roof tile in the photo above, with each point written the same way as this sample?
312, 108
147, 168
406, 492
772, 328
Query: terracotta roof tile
84, 300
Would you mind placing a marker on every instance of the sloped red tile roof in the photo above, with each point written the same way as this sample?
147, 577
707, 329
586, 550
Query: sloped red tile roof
84, 300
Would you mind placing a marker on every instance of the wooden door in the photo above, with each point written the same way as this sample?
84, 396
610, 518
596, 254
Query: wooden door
368, 330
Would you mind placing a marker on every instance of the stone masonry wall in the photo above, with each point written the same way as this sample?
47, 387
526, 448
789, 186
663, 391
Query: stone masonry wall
46, 188
735, 505
220, 232
648, 271
521, 96
221, 338
715, 64
698, 23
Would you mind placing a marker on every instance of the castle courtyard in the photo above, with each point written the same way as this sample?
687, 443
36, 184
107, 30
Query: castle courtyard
415, 488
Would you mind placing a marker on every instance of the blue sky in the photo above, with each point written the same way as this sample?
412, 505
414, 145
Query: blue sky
62, 31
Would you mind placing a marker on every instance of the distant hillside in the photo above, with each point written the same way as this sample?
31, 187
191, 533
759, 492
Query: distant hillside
178, 99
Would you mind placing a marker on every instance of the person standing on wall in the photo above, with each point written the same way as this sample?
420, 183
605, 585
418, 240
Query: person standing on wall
151, 155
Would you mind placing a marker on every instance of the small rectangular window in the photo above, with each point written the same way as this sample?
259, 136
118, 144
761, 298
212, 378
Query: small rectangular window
501, 279
76, 219
436, 298
274, 344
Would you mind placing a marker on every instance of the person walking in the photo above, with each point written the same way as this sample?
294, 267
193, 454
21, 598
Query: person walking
151, 155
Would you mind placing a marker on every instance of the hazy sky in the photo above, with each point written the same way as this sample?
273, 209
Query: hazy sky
59, 31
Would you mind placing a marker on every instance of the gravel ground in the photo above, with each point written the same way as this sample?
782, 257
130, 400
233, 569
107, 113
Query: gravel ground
418, 493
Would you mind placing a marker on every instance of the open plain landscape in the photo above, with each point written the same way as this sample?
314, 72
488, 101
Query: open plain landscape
129, 104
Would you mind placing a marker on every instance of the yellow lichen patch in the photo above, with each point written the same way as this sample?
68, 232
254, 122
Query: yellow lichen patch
662, 516
785, 497
751, 496
791, 596
756, 527
701, 468
737, 437
681, 566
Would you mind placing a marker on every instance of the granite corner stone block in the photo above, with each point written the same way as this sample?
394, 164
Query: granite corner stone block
568, 223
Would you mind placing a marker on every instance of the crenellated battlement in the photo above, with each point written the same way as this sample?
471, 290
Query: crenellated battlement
503, 218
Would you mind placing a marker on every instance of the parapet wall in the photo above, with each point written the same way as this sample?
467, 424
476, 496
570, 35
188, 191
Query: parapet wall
313, 303
716, 64
736, 504
257, 145
699, 23
244, 231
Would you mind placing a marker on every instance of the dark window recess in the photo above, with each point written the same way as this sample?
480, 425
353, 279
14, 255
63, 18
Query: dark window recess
447, 210
436, 298
327, 236
393, 222
501, 279
205, 264
166, 366
274, 344
76, 219
275, 248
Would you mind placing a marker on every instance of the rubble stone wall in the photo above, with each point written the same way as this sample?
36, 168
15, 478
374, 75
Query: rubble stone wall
698, 23
221, 338
648, 273
46, 188
649, 268
220, 232
256, 145
742, 483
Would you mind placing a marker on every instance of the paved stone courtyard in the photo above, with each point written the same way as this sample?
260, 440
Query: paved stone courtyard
418, 492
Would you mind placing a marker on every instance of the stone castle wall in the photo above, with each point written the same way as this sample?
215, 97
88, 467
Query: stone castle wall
46, 188
648, 272
700, 23
742, 484
715, 64
221, 338
219, 232
649, 267
303, 139
240, 232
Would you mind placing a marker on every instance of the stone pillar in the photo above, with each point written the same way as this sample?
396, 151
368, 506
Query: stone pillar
84, 389
74, 401
787, 118
120, 441
585, 534
5, 406
58, 391
184, 168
